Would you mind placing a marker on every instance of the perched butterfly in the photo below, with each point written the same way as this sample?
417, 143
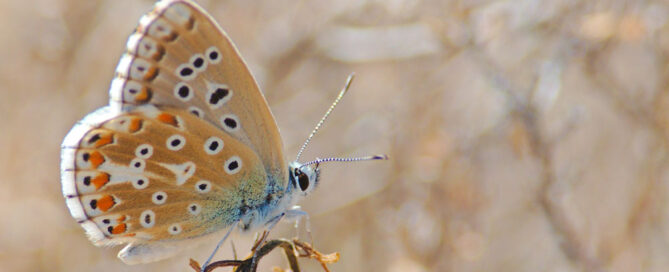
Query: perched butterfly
186, 147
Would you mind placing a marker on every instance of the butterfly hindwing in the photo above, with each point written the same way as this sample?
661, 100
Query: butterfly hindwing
180, 57
133, 176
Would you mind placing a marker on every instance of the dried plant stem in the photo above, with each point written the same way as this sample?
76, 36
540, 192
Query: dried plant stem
310, 252
289, 248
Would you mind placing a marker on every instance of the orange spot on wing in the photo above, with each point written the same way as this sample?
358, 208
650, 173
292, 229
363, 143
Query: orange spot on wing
122, 218
143, 94
170, 37
105, 203
120, 228
96, 159
98, 138
168, 119
135, 125
104, 140
100, 180
151, 74
158, 55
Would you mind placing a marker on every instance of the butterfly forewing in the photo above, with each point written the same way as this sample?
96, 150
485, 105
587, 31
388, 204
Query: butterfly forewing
155, 174
180, 57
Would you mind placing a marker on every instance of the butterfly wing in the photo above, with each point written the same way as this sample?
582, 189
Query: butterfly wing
147, 169
155, 175
179, 56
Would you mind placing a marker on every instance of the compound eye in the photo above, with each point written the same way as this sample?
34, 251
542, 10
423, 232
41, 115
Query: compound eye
303, 180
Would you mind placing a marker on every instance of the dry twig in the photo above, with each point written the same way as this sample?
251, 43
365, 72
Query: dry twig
292, 250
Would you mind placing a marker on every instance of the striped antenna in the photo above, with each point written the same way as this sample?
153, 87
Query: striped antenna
327, 113
317, 161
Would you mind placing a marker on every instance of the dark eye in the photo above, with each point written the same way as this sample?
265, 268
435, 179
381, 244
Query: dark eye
304, 181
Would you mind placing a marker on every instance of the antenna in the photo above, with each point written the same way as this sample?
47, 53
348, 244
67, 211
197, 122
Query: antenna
367, 158
327, 113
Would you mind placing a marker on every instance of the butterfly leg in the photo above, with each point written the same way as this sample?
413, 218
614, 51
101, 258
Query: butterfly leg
294, 213
234, 251
297, 213
206, 263
270, 225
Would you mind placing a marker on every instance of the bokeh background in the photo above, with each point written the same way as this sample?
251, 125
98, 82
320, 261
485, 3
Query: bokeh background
524, 135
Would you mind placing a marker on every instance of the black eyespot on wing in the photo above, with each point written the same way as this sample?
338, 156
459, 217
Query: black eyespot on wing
218, 94
213, 55
94, 138
213, 146
304, 181
231, 123
198, 62
186, 71
233, 165
183, 91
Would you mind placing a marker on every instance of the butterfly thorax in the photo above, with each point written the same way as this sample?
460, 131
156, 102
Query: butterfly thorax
254, 209
256, 212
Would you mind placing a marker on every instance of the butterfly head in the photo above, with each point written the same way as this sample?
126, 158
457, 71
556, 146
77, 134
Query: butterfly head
303, 178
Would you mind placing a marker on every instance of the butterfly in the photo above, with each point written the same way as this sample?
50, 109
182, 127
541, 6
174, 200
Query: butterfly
187, 146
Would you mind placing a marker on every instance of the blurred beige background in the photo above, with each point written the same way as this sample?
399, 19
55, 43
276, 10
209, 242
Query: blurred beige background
523, 135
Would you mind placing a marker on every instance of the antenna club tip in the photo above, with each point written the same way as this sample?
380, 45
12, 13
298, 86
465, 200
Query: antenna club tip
380, 157
349, 79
